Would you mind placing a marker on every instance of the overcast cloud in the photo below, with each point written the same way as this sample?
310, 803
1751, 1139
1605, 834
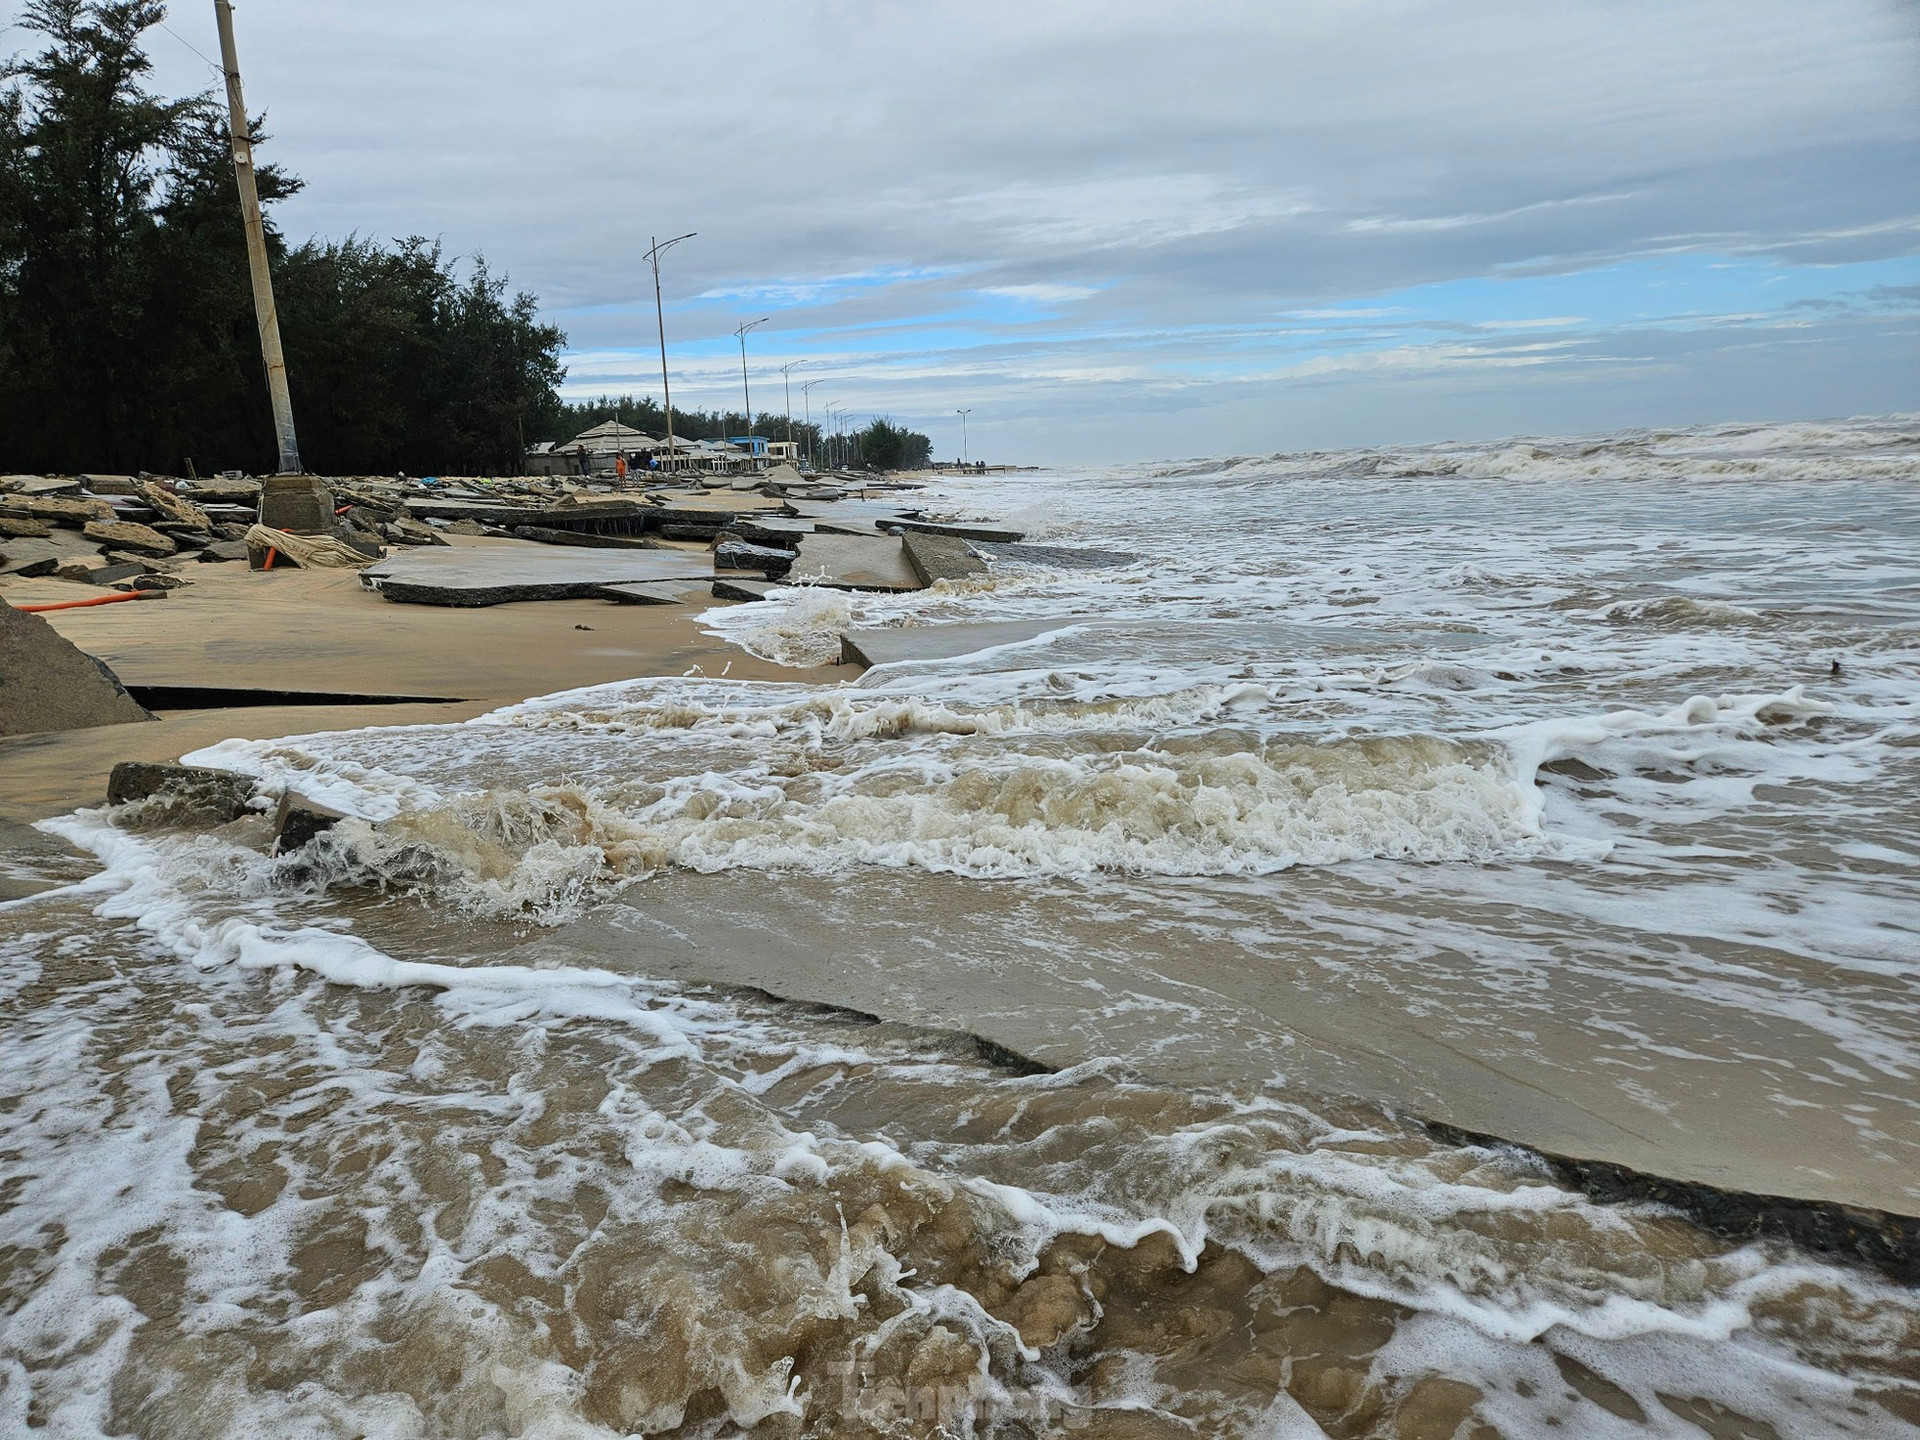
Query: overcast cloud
1126, 230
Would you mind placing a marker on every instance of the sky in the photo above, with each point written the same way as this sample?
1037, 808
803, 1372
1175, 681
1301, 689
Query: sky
1130, 231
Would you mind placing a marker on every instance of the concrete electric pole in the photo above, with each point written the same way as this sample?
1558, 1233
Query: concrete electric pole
263, 307
660, 315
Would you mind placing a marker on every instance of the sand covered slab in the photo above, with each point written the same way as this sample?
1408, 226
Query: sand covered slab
469, 577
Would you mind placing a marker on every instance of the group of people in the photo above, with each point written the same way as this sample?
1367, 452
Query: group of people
624, 464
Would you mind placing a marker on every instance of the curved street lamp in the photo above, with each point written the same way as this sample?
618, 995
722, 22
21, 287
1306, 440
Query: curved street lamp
744, 390
660, 315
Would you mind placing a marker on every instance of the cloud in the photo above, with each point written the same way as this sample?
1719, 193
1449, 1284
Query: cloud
1025, 207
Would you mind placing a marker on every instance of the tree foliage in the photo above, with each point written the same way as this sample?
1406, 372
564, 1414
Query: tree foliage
127, 336
886, 446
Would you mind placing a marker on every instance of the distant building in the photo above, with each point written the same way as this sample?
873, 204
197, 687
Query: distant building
592, 451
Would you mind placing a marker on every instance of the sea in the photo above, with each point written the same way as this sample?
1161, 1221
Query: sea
1397, 946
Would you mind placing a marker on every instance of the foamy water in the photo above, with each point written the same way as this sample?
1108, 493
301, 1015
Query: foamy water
1559, 790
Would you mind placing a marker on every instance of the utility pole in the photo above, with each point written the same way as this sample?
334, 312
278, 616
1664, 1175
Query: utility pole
806, 399
744, 390
786, 372
660, 315
964, 457
263, 308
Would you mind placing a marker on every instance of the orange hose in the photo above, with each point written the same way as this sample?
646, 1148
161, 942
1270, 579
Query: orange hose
271, 552
94, 600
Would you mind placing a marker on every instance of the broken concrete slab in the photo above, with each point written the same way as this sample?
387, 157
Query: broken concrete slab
40, 484
299, 503
725, 587
764, 559
941, 557
181, 794
129, 535
854, 562
498, 575
223, 491
299, 820
73, 511
98, 572
110, 484
942, 642
47, 683
584, 538
665, 592
173, 508
20, 527
987, 534
27, 557
780, 531
223, 550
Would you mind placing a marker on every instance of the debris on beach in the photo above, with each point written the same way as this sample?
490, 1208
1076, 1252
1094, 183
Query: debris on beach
47, 683
560, 536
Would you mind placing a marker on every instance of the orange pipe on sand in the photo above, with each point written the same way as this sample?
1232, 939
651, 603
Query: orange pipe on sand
94, 600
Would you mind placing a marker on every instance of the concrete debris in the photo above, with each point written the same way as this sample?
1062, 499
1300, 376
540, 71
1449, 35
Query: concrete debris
299, 503
941, 557
988, 534
129, 535
20, 527
109, 484
497, 575
72, 511
41, 484
223, 491
584, 538
725, 587
47, 683
783, 532
299, 820
732, 554
224, 550
854, 562
909, 644
152, 582
173, 508
99, 571
411, 532
180, 794
666, 592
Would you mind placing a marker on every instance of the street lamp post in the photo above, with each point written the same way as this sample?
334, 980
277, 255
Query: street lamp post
806, 399
786, 372
964, 456
660, 315
744, 390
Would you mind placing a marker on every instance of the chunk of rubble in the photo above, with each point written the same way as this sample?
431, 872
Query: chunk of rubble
726, 587
986, 534
47, 683
301, 504
181, 794
765, 559
941, 557
498, 575
129, 535
98, 571
22, 528
906, 645
855, 562
72, 511
300, 820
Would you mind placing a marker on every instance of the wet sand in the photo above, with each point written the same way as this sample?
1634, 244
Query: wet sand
320, 631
